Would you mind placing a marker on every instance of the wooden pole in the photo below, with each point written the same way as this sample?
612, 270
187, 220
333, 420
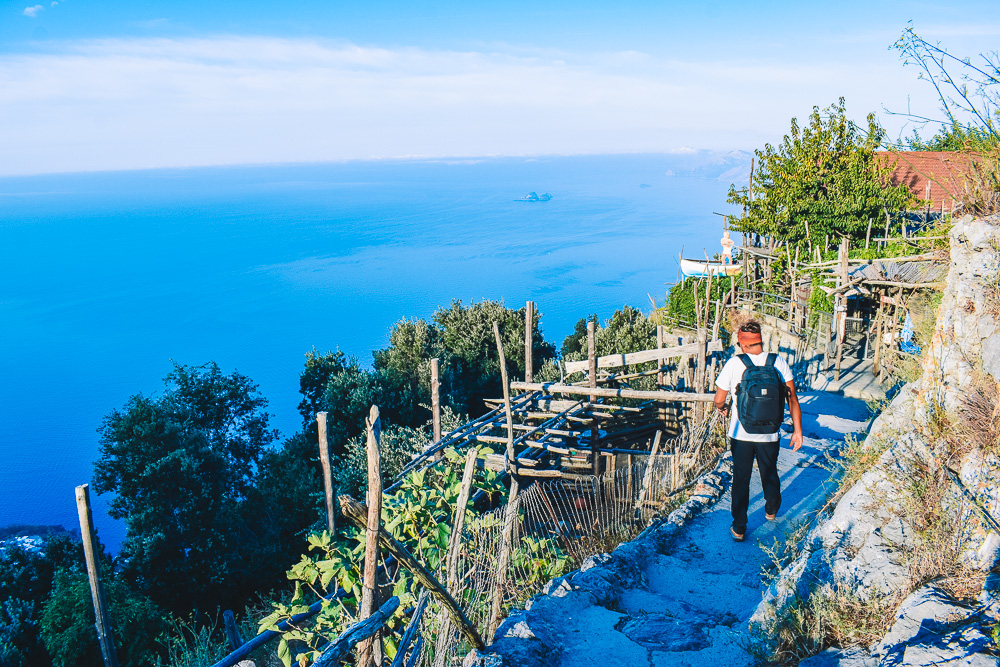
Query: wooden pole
878, 337
609, 392
370, 650
868, 236
458, 523
506, 396
232, 631
701, 376
647, 477
102, 623
411, 629
357, 514
436, 398
529, 336
841, 305
595, 459
360, 633
506, 545
324, 459
454, 548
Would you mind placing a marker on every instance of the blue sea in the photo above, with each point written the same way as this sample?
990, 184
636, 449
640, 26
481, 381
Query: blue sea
106, 278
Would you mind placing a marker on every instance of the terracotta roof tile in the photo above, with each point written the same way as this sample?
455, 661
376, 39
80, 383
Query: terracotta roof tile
944, 170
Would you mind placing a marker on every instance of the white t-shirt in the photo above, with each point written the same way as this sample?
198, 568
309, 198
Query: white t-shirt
730, 376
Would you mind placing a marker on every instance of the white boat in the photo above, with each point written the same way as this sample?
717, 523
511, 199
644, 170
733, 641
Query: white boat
702, 269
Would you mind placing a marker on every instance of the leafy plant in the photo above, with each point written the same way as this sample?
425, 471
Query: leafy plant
418, 515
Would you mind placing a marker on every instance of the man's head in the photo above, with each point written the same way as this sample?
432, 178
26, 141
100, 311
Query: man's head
749, 338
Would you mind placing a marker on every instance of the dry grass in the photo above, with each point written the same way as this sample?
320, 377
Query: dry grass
832, 617
982, 183
977, 425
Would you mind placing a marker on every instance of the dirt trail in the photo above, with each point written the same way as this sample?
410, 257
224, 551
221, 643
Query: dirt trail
702, 588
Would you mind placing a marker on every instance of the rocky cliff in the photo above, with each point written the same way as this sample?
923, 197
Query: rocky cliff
912, 545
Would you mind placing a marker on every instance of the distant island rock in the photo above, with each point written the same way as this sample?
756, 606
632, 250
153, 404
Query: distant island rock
534, 196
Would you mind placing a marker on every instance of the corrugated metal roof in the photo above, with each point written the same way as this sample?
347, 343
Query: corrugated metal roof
925, 271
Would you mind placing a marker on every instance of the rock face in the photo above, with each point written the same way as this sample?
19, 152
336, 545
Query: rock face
862, 545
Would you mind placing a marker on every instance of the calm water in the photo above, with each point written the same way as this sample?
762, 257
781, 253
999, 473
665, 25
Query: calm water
105, 278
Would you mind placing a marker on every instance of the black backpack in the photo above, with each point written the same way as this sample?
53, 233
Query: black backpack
760, 396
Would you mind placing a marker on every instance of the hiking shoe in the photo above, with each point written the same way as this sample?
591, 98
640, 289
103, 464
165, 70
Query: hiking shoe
771, 517
737, 536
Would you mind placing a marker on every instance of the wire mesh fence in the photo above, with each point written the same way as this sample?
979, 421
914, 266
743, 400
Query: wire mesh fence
558, 523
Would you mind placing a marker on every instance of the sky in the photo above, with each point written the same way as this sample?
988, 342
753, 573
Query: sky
88, 85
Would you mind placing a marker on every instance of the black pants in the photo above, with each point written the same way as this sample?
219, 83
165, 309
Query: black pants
744, 453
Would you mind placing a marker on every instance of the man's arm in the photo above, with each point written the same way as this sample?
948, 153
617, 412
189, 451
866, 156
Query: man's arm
720, 401
796, 410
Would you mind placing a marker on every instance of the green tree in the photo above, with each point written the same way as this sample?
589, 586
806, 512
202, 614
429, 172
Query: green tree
473, 365
824, 176
25, 584
181, 468
312, 384
67, 623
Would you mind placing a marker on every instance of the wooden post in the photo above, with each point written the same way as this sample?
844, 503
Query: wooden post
878, 336
454, 548
370, 650
529, 337
660, 338
335, 652
324, 459
357, 514
232, 631
927, 213
701, 375
841, 306
436, 398
647, 477
675, 466
506, 545
506, 397
595, 459
102, 623
411, 629
715, 337
868, 236
455, 541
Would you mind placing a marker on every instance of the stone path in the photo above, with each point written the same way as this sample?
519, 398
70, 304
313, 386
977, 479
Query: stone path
857, 380
699, 587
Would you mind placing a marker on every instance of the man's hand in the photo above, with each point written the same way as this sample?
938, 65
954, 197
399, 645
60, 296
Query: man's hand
796, 441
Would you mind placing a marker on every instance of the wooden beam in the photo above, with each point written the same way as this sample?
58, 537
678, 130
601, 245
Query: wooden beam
357, 513
618, 360
361, 631
607, 392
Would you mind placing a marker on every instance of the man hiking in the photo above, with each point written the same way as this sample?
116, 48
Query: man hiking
761, 382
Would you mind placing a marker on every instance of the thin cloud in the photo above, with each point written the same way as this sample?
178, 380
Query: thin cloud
32, 12
134, 103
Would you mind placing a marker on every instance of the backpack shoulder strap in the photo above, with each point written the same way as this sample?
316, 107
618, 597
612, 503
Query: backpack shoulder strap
771, 358
747, 361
